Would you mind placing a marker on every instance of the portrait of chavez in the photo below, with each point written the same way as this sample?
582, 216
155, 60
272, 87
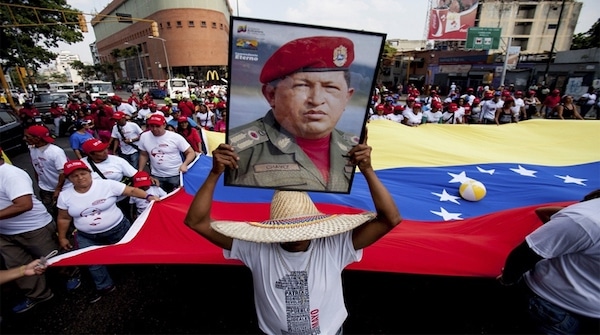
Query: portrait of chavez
296, 144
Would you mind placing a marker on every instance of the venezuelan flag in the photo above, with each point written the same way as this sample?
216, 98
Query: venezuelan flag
523, 166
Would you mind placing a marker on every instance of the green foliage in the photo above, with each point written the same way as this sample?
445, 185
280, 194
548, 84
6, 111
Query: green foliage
589, 39
31, 45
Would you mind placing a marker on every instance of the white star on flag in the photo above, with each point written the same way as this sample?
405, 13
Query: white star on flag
459, 178
447, 216
524, 172
490, 172
572, 180
444, 196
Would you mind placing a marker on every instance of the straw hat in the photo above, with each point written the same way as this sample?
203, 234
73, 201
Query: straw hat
294, 217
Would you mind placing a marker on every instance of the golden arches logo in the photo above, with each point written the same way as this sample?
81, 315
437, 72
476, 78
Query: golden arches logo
212, 75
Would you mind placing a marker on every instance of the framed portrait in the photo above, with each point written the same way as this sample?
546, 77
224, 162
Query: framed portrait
298, 101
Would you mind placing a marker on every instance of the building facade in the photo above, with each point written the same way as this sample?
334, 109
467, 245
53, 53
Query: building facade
192, 43
534, 25
63, 65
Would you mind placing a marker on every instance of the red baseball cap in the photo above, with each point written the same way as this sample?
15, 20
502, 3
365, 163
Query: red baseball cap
182, 119
93, 145
315, 53
141, 179
118, 115
41, 132
71, 166
156, 119
452, 107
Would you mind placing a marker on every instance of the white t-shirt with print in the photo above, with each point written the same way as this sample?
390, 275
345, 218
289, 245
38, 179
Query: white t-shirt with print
113, 168
130, 130
15, 183
94, 211
395, 117
48, 162
164, 152
126, 108
298, 302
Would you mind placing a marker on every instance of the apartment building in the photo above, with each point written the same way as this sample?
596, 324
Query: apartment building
193, 37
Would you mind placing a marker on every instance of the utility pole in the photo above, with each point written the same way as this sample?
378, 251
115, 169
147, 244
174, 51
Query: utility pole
562, 7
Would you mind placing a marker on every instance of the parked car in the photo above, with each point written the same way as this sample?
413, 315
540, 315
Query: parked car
42, 102
11, 132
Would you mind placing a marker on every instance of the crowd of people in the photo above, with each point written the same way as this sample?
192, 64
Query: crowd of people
125, 158
482, 106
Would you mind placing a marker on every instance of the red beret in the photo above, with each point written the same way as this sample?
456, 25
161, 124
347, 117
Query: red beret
316, 53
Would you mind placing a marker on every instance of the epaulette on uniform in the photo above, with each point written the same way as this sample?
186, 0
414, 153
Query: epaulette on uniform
248, 137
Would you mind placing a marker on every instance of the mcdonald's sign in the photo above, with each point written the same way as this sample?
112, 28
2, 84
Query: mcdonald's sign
212, 75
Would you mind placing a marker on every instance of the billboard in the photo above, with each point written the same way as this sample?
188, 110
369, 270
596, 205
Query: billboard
450, 20
482, 38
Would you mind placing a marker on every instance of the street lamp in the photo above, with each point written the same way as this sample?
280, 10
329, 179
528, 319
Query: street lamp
139, 59
165, 50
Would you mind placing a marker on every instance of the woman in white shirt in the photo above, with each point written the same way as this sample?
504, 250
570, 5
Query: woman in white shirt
92, 205
205, 117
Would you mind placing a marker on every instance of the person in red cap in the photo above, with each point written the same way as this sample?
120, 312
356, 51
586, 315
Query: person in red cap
143, 112
47, 160
434, 113
551, 101
91, 205
142, 180
163, 150
124, 137
396, 116
506, 114
415, 117
454, 114
296, 145
190, 134
123, 107
379, 113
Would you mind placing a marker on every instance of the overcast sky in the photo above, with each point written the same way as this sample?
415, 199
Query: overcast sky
403, 19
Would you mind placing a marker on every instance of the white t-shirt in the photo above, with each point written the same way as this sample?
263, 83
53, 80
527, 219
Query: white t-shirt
113, 168
591, 98
378, 117
142, 204
289, 302
413, 119
517, 107
15, 183
164, 152
395, 117
454, 118
142, 113
570, 244
130, 130
48, 162
205, 119
94, 211
432, 117
126, 108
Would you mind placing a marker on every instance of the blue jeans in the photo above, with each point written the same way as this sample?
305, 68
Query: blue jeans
100, 273
168, 184
549, 318
133, 159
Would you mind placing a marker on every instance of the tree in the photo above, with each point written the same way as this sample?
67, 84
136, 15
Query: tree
36, 31
589, 39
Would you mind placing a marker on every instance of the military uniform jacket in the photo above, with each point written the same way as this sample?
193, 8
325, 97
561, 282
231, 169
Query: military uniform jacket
270, 157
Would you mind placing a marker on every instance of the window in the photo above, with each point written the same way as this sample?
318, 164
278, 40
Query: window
214, 25
552, 26
190, 23
203, 24
178, 23
221, 26
169, 25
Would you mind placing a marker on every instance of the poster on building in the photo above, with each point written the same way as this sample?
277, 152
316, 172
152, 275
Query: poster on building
298, 102
513, 57
451, 19
483, 38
